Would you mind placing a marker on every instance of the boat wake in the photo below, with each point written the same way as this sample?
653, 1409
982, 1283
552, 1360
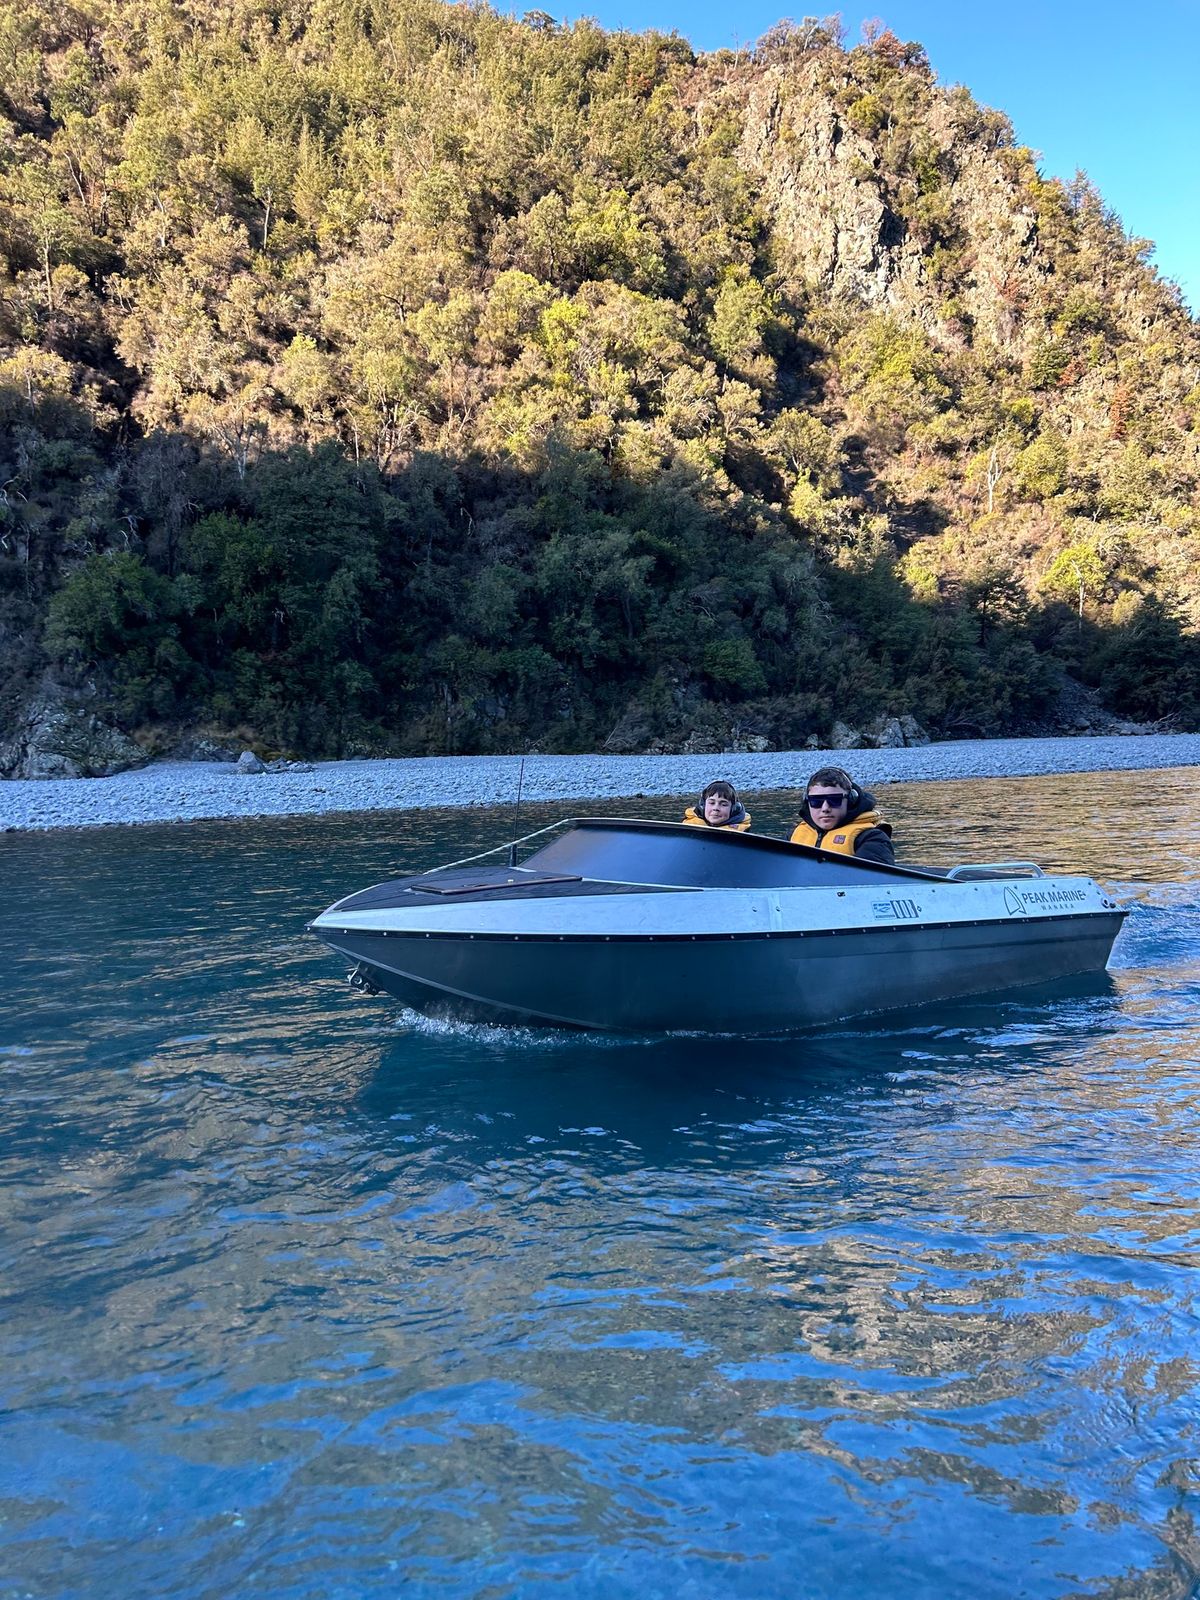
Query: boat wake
1162, 930
509, 1037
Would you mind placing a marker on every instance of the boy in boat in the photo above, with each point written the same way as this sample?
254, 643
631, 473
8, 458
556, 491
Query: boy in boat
838, 815
718, 806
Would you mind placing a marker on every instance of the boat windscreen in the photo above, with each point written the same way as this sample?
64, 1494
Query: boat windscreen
632, 851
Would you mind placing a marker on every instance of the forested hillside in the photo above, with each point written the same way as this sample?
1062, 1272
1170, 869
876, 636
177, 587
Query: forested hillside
384, 375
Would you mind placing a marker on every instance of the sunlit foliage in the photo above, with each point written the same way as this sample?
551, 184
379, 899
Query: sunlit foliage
387, 374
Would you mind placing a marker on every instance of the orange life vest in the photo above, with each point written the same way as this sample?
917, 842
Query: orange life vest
840, 839
693, 818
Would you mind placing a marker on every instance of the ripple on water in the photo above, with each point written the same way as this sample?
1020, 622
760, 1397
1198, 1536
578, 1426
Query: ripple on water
307, 1297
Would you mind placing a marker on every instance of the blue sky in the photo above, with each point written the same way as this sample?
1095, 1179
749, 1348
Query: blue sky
1112, 89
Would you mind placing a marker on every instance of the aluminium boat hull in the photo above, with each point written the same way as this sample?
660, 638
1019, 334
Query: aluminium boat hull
647, 927
719, 984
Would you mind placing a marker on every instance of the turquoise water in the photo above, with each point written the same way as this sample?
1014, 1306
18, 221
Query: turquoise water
303, 1297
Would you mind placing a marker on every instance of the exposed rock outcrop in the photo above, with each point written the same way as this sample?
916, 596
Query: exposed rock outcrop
885, 733
843, 737
1079, 710
202, 748
836, 219
56, 736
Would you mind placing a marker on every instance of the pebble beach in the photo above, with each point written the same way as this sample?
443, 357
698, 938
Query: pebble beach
195, 791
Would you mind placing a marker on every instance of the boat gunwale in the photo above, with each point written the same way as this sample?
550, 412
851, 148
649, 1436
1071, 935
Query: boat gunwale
915, 926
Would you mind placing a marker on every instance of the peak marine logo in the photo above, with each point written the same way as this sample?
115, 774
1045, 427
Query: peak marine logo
1020, 902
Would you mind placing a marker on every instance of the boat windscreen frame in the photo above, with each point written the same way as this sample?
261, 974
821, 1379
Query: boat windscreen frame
832, 868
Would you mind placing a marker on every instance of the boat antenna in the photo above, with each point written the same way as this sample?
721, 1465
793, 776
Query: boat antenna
512, 849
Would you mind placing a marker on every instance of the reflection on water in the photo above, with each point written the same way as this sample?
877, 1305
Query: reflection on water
304, 1297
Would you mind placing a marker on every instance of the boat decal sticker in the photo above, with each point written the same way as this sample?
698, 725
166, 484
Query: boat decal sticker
900, 909
1041, 899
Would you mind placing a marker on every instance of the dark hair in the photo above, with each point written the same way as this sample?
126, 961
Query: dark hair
833, 778
719, 786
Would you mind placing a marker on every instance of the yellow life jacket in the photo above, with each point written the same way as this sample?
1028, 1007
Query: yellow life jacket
841, 839
693, 818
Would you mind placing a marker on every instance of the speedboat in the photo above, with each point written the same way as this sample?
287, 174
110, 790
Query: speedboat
647, 926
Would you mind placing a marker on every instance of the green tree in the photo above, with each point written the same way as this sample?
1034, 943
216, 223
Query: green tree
1077, 573
116, 613
1040, 470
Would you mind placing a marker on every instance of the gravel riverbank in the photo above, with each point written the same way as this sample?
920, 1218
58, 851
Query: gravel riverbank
193, 791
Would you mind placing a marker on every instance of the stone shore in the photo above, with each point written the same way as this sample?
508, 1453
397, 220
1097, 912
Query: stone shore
195, 791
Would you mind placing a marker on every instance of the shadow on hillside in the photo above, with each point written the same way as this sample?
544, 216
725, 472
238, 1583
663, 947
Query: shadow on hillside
316, 605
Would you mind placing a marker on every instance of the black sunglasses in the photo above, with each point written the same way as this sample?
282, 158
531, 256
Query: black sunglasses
816, 801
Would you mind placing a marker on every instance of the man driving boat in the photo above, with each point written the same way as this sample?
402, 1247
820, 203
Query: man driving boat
837, 815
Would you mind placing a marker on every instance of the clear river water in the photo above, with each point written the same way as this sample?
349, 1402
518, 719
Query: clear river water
303, 1297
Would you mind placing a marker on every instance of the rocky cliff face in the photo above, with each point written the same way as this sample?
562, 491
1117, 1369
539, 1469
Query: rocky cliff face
59, 736
816, 178
906, 219
1003, 374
